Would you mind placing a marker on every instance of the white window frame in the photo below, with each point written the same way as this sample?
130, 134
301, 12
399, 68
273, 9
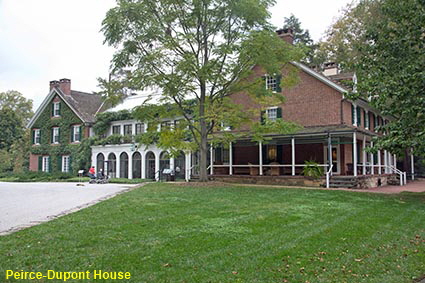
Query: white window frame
142, 127
76, 133
272, 110
56, 108
366, 119
112, 129
55, 134
45, 163
37, 135
65, 163
271, 82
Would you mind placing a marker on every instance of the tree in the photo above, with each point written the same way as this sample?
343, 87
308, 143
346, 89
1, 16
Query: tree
391, 71
346, 35
11, 128
302, 37
196, 52
15, 101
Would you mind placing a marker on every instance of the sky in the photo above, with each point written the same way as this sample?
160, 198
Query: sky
47, 40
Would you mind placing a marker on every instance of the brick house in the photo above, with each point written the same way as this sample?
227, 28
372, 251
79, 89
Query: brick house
63, 120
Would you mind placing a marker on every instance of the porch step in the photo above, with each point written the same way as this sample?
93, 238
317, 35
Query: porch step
349, 182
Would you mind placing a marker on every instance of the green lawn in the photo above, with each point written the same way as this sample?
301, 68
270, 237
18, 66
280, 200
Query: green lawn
169, 233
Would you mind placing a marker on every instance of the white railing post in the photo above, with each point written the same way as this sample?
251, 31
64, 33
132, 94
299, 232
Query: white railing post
230, 159
211, 161
372, 161
260, 150
293, 156
364, 155
379, 163
355, 154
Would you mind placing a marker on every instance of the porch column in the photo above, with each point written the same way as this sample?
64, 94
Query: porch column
172, 162
143, 165
389, 162
412, 165
130, 166
230, 159
379, 163
189, 162
94, 161
329, 152
260, 150
118, 167
293, 155
386, 161
364, 155
395, 161
211, 160
355, 154
372, 161
157, 171
187, 166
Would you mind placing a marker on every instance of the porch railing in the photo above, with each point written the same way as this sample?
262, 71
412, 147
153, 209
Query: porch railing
328, 176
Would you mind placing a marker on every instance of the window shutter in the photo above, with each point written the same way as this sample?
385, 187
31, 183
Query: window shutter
375, 121
59, 107
262, 117
70, 163
353, 116
51, 135
53, 109
79, 133
33, 136
278, 88
49, 161
59, 163
279, 112
72, 133
359, 116
59, 135
40, 163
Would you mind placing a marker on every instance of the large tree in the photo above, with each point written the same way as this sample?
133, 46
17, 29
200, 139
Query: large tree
343, 38
15, 101
196, 53
391, 71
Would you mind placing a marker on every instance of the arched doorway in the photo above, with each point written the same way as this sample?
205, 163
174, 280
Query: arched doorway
164, 161
100, 162
150, 165
124, 165
137, 165
112, 165
180, 165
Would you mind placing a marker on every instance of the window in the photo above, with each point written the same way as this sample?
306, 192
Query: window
375, 121
56, 112
76, 133
55, 135
167, 124
359, 116
116, 130
65, 163
45, 164
36, 136
128, 129
140, 128
221, 155
366, 120
273, 113
273, 83
353, 114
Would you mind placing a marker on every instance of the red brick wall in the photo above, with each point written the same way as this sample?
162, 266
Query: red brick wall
309, 103
346, 111
33, 162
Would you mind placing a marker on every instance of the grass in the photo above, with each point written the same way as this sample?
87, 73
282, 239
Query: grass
170, 233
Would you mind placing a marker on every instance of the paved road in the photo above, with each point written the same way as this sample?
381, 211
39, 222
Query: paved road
27, 204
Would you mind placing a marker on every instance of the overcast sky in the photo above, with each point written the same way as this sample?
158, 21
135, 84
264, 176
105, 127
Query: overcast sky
44, 40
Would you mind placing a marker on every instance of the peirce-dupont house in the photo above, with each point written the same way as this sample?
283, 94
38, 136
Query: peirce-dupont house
59, 125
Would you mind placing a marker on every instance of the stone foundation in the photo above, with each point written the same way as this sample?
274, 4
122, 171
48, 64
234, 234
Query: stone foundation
296, 181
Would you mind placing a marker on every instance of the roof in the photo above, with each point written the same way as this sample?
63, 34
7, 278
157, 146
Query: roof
150, 96
84, 105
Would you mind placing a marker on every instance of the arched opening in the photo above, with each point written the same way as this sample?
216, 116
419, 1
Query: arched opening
150, 165
100, 162
123, 165
112, 165
137, 165
164, 161
180, 165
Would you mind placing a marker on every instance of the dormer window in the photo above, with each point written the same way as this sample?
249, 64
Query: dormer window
56, 109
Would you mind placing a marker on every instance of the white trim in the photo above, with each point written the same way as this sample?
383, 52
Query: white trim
65, 161
45, 163
46, 101
55, 130
35, 136
56, 106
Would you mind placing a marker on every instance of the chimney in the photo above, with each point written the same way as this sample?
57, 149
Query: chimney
53, 84
330, 69
65, 86
286, 34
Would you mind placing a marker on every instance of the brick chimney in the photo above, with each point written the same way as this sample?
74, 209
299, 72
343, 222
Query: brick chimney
53, 84
65, 86
286, 34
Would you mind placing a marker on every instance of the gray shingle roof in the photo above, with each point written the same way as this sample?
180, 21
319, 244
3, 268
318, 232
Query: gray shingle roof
85, 104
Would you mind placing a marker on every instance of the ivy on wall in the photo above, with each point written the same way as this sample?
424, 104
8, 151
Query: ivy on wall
67, 118
103, 120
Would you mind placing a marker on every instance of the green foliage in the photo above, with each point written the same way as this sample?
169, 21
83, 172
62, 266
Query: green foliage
11, 127
104, 119
200, 50
15, 101
391, 72
312, 169
30, 176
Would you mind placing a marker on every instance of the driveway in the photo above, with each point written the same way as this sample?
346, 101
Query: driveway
27, 204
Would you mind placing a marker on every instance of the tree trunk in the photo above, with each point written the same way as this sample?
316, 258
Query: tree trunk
203, 149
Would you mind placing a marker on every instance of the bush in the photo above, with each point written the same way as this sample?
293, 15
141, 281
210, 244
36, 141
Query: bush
312, 169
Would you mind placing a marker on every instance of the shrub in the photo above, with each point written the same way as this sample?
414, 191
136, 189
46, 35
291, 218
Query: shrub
312, 169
